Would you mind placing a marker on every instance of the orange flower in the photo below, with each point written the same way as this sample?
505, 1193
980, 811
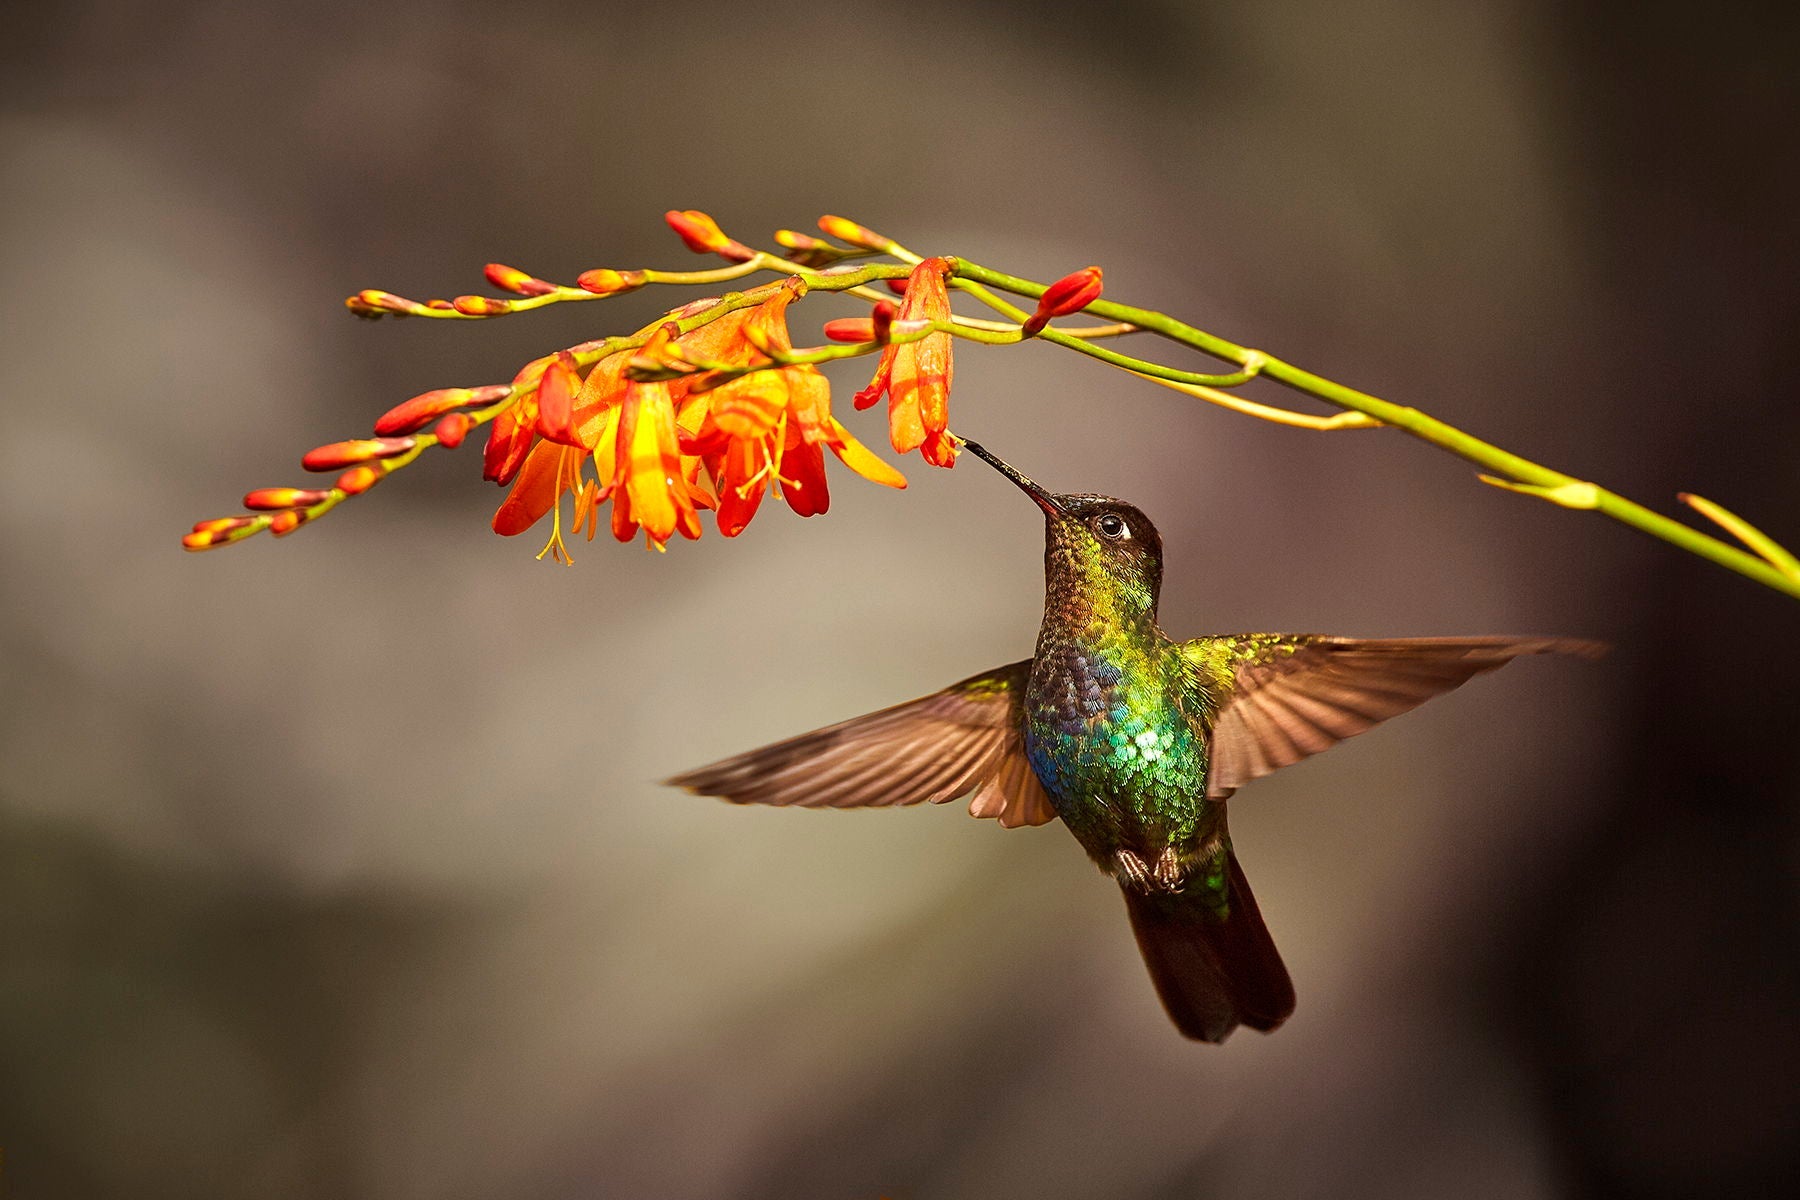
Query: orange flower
769, 428
650, 440
628, 428
916, 375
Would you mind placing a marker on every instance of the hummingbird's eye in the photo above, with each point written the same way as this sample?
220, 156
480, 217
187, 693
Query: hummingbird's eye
1111, 526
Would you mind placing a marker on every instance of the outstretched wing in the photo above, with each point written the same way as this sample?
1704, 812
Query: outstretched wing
966, 738
1280, 698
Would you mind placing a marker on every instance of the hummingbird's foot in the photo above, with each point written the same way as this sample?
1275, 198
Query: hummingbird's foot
1133, 872
1171, 873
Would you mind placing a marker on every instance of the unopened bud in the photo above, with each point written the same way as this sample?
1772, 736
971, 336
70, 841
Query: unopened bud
451, 430
284, 523
357, 480
603, 281
481, 306
789, 239
556, 400
342, 454
809, 251
511, 279
372, 302
877, 327
850, 329
410, 416
506, 447
275, 498
845, 230
882, 318
703, 235
222, 532
1070, 294
222, 524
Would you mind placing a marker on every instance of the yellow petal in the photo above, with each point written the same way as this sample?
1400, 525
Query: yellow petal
861, 459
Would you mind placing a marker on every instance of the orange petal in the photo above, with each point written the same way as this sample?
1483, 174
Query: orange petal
862, 460
509, 441
535, 491
738, 501
805, 491
750, 406
606, 449
769, 320
720, 340
809, 402
905, 430
601, 393
926, 372
883, 372
652, 460
623, 527
939, 450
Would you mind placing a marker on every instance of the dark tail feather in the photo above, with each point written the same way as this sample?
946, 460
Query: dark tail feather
1212, 975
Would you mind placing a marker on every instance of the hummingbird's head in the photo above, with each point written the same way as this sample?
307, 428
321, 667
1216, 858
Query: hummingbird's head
1097, 550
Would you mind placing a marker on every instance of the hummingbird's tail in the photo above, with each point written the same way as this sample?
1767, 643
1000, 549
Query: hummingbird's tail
1213, 974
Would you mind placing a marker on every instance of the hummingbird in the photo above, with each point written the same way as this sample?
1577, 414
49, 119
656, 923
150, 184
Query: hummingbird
1135, 741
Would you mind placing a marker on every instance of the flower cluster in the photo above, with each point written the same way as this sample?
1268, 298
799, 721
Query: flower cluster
710, 408
701, 420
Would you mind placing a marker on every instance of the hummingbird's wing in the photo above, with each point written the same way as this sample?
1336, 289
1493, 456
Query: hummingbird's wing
1282, 697
966, 738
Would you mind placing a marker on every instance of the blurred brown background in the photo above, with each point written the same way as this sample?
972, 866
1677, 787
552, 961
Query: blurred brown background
335, 867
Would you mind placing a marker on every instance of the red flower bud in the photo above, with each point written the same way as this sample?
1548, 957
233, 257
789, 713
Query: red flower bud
481, 306
506, 447
876, 327
850, 329
882, 316
357, 480
342, 454
511, 279
410, 416
703, 235
276, 498
896, 286
604, 282
556, 400
1070, 294
284, 523
451, 431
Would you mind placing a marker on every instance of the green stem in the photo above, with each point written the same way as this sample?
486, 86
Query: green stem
1535, 478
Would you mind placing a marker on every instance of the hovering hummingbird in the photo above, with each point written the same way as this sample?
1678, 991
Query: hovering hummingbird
1135, 741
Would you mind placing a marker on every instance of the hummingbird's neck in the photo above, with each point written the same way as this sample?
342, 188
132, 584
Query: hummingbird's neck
1085, 600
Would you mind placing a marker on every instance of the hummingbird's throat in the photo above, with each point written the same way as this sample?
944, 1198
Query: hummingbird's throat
1082, 591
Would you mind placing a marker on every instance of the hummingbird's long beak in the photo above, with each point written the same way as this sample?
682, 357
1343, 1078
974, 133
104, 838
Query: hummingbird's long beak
1043, 499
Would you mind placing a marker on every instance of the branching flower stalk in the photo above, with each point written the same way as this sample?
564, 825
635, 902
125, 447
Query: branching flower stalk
711, 407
